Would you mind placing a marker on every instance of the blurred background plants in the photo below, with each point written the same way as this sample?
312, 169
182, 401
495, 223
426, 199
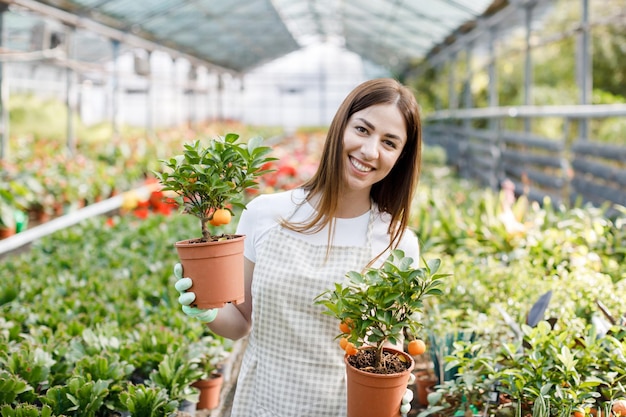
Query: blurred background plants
94, 301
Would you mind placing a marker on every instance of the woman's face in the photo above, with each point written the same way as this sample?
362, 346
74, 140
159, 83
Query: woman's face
373, 141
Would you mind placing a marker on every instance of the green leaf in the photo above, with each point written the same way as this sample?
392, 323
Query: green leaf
355, 277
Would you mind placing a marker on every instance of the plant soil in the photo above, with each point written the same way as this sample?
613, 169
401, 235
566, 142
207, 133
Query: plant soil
392, 362
213, 238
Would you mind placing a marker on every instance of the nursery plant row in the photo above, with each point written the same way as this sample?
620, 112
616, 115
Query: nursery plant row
90, 324
531, 321
42, 178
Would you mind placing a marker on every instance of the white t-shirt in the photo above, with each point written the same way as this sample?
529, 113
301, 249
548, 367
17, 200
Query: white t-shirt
266, 211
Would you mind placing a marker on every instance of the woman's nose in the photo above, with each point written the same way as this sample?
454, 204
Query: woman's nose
369, 148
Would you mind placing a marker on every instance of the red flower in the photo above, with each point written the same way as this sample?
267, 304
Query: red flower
156, 199
164, 209
267, 165
141, 212
143, 204
287, 170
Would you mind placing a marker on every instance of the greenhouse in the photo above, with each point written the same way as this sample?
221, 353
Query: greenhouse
430, 190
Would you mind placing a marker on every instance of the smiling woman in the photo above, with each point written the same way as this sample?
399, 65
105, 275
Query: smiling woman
302, 242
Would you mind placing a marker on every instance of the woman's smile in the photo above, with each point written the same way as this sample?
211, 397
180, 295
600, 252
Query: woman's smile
359, 165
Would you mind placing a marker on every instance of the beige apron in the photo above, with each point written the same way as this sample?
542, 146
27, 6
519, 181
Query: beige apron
293, 366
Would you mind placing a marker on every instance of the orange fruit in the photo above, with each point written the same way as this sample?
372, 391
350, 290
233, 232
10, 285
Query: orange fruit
416, 347
595, 412
619, 407
350, 349
343, 342
344, 327
220, 217
578, 413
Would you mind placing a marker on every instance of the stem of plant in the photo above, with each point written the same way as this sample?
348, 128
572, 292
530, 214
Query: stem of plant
379, 355
205, 230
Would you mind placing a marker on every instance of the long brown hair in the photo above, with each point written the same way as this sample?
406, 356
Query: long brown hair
394, 193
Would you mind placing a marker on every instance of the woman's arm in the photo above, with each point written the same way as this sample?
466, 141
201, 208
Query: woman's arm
234, 321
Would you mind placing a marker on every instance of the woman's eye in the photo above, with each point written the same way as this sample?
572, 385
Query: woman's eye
390, 143
361, 129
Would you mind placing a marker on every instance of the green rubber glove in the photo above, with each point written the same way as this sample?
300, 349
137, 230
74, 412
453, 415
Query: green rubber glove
187, 297
405, 407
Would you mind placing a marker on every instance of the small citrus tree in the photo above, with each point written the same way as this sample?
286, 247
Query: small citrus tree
376, 305
209, 180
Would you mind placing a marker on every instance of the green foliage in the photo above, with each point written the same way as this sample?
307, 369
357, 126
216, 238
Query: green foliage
7, 209
550, 370
149, 346
503, 258
210, 352
381, 303
441, 347
106, 367
11, 386
80, 397
554, 69
212, 177
514, 254
31, 364
471, 375
26, 410
562, 366
148, 401
95, 302
43, 118
16, 195
175, 374
609, 48
434, 156
98, 299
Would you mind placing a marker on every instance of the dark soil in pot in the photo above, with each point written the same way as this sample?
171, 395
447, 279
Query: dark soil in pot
392, 362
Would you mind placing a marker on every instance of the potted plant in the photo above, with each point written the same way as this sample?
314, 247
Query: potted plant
212, 351
15, 196
7, 209
209, 180
375, 308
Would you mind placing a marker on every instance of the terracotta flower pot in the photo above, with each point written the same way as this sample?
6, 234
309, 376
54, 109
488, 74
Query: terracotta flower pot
376, 395
210, 390
6, 232
216, 269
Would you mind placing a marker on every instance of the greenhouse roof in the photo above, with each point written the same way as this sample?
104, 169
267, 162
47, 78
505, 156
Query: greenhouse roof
239, 35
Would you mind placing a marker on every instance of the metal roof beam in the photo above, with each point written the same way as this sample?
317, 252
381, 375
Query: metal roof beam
462, 7
111, 33
483, 26
431, 18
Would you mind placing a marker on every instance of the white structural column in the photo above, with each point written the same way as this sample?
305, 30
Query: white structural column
70, 87
584, 68
4, 113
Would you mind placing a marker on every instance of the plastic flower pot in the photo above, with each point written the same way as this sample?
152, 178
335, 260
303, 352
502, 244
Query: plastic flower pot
210, 390
376, 395
216, 269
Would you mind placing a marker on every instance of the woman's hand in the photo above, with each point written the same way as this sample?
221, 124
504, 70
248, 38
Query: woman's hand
187, 297
405, 406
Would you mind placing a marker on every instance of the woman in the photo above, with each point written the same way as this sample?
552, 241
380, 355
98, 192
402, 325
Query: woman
300, 242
